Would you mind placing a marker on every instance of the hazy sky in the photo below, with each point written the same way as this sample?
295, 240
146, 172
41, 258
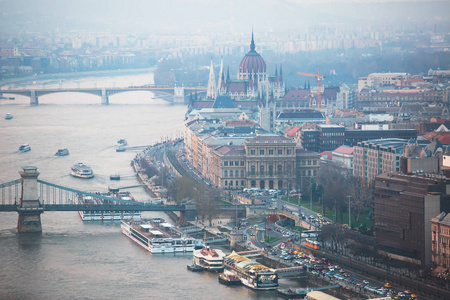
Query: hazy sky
221, 16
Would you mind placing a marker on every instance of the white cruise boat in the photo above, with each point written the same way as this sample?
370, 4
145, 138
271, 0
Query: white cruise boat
150, 239
9, 116
62, 152
157, 236
80, 170
98, 215
25, 148
209, 259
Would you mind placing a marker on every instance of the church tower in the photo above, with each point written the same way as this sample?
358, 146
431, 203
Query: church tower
211, 91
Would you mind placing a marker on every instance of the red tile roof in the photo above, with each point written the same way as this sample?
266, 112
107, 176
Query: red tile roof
293, 131
328, 154
344, 149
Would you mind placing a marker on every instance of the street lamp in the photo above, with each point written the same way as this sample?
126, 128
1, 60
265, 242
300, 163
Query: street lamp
349, 221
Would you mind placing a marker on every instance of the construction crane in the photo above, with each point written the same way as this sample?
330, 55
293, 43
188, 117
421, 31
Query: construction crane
319, 90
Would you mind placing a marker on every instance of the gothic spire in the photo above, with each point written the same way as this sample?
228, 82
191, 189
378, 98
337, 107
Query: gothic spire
252, 44
228, 73
211, 91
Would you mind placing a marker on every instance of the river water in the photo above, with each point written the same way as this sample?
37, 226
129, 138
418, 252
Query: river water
76, 260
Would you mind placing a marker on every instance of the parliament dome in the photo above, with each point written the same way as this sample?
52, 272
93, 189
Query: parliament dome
252, 62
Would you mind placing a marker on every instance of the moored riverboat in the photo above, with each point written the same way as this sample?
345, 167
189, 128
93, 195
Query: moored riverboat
251, 273
157, 236
228, 278
209, 259
62, 152
98, 215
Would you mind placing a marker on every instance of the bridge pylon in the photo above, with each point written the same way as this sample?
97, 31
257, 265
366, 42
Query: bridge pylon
29, 207
105, 98
178, 95
34, 100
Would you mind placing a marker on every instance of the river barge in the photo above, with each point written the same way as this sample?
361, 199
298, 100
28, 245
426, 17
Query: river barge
251, 273
157, 236
98, 215
208, 259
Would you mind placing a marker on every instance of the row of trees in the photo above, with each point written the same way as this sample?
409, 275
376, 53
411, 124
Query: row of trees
338, 188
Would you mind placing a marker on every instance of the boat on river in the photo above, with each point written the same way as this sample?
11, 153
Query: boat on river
157, 236
80, 170
62, 152
209, 259
99, 199
251, 273
122, 142
9, 116
293, 293
228, 278
24, 148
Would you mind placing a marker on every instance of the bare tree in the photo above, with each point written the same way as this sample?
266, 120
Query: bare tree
361, 196
181, 188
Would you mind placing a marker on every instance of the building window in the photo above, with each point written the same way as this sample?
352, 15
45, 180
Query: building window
252, 170
303, 173
237, 183
315, 162
242, 173
271, 170
226, 183
253, 183
288, 151
280, 169
236, 163
252, 152
270, 151
261, 152
231, 182
309, 162
236, 173
242, 182
225, 174
242, 163
280, 151
303, 163
231, 163
261, 170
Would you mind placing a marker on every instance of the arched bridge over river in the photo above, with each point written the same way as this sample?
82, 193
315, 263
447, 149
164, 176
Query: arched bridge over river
173, 94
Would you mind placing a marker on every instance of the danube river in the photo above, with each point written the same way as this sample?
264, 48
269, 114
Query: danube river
76, 260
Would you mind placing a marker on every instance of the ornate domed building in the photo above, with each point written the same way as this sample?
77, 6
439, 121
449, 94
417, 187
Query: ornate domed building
252, 65
252, 88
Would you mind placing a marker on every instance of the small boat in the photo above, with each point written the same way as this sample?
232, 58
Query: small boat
229, 279
122, 142
24, 148
121, 149
9, 116
194, 268
80, 170
114, 177
62, 152
293, 293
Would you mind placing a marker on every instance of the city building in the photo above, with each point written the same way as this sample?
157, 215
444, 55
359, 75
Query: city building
327, 137
374, 157
403, 206
382, 79
440, 240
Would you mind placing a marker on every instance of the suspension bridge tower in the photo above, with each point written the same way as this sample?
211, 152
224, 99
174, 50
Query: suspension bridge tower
29, 208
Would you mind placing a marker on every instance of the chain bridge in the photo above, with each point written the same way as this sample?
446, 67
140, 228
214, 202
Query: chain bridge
30, 197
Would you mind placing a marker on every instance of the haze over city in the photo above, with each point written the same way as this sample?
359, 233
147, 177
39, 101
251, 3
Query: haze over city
210, 149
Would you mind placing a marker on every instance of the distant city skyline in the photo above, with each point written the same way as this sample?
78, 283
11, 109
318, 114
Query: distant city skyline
203, 17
